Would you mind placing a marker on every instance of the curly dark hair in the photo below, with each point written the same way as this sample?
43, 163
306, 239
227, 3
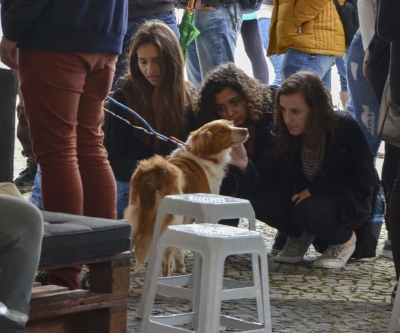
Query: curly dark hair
320, 122
258, 99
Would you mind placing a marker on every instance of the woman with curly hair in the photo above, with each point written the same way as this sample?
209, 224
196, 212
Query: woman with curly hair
154, 87
229, 93
326, 157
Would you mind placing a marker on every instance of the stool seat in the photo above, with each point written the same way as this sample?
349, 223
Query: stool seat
212, 243
203, 208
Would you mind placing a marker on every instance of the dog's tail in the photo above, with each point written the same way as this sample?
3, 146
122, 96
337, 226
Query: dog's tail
151, 182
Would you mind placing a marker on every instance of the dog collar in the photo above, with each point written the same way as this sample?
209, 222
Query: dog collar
187, 148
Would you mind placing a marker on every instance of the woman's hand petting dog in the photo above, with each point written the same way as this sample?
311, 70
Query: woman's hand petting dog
239, 157
298, 197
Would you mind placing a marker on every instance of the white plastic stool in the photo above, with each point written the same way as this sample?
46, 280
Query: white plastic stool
213, 243
204, 208
394, 325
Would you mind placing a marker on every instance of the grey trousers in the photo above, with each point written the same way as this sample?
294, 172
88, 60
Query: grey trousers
21, 232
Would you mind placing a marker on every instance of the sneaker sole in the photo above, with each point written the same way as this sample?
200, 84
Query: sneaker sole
275, 251
330, 265
289, 260
387, 254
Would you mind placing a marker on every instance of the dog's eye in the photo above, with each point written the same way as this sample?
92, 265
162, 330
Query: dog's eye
222, 130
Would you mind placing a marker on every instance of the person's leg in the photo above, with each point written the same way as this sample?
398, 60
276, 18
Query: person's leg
389, 172
193, 66
295, 61
134, 24
98, 182
219, 29
362, 105
319, 217
51, 85
343, 93
21, 232
395, 222
122, 197
36, 192
276, 61
8, 95
254, 50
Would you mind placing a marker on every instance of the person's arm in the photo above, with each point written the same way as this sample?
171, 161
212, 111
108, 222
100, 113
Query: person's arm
19, 16
366, 13
16, 18
388, 20
118, 141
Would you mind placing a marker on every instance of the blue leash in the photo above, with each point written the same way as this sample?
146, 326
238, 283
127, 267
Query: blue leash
148, 129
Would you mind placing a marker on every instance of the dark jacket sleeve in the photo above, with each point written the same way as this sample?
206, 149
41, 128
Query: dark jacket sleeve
123, 152
388, 20
19, 15
350, 166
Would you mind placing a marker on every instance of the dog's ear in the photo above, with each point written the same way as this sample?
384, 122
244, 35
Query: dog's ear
202, 142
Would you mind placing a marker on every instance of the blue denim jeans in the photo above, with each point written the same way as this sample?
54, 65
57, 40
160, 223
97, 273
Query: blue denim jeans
122, 197
134, 24
216, 43
320, 64
276, 61
362, 103
341, 67
21, 235
36, 192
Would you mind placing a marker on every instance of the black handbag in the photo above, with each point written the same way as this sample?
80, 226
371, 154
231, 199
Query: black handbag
389, 119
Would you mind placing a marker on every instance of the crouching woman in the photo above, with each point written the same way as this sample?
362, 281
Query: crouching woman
325, 156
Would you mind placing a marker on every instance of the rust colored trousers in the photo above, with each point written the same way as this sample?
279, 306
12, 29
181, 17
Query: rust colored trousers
63, 95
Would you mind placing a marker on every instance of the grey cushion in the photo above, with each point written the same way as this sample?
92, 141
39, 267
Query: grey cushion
70, 237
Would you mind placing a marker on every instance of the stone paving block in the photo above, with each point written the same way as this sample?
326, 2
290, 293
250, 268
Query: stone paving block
355, 299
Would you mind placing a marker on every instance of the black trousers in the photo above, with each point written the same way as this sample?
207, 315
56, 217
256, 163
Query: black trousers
318, 214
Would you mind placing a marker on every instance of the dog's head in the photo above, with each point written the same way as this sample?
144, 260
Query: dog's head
215, 137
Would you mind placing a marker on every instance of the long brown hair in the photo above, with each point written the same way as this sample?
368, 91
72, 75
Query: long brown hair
319, 123
164, 107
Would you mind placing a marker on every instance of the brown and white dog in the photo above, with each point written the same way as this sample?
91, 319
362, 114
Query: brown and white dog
197, 167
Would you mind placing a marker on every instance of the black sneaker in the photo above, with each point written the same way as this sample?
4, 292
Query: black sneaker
279, 244
26, 177
86, 281
43, 278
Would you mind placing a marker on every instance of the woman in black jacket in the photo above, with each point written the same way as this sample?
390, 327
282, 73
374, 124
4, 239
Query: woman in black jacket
155, 88
325, 156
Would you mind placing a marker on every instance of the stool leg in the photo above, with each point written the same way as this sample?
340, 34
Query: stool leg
149, 296
257, 285
265, 290
394, 325
209, 302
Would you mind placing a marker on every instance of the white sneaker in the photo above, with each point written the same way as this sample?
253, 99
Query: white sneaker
335, 256
295, 249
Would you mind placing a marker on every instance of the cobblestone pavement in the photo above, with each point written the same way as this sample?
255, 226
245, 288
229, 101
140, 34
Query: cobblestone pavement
303, 299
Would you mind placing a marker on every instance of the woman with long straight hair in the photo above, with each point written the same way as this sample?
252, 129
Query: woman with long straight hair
155, 88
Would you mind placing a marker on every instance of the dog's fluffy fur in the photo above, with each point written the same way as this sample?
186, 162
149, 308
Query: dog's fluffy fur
198, 168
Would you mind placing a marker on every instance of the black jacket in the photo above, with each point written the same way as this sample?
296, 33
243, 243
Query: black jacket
125, 149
